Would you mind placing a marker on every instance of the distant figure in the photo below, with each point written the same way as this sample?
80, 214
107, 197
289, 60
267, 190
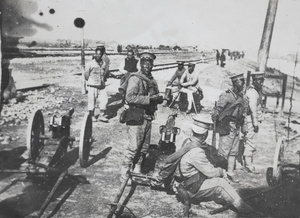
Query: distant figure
222, 59
217, 56
172, 89
242, 54
128, 65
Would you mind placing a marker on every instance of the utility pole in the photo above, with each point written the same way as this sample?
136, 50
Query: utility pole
266, 38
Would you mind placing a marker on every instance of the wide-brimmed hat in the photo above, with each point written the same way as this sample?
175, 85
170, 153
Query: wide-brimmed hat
202, 123
237, 77
258, 75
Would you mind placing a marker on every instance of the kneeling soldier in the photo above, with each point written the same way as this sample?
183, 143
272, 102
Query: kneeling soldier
197, 176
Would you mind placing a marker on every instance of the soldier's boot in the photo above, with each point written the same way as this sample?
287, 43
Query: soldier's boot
245, 210
102, 117
139, 165
125, 170
248, 164
230, 172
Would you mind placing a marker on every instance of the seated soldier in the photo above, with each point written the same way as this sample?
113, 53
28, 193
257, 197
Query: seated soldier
173, 84
189, 81
198, 175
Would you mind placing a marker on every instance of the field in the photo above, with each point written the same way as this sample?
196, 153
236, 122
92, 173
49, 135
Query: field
19, 197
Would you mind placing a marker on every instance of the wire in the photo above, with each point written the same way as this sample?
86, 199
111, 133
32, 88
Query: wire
292, 93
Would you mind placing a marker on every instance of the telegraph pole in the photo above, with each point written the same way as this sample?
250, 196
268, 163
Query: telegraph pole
266, 38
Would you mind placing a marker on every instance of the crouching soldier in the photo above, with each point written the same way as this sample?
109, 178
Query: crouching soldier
200, 176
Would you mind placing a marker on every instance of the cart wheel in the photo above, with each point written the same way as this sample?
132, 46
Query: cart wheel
34, 130
274, 174
85, 140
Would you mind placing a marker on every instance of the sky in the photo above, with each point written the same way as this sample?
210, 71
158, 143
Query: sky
233, 24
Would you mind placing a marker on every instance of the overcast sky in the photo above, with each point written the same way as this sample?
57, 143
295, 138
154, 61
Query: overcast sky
235, 24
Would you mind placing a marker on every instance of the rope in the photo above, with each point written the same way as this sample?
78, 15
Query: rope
292, 93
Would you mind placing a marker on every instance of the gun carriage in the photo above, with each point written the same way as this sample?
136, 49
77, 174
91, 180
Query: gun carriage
46, 153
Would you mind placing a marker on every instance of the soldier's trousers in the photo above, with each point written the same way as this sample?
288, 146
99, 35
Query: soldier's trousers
189, 91
96, 96
219, 191
251, 140
139, 141
229, 144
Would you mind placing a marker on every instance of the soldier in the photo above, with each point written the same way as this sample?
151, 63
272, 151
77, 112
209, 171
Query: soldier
128, 65
222, 59
229, 114
173, 83
189, 81
94, 74
200, 177
255, 116
217, 56
142, 97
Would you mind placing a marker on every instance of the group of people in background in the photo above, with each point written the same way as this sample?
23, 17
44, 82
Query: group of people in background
237, 112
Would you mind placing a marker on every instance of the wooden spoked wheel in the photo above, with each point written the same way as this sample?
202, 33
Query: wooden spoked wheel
34, 130
85, 140
274, 174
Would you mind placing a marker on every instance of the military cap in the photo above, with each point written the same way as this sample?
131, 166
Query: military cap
180, 62
147, 55
191, 64
236, 77
202, 123
257, 75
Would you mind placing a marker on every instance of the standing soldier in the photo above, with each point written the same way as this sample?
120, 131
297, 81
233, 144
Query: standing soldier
222, 59
94, 75
142, 96
217, 56
229, 114
128, 65
255, 116
173, 83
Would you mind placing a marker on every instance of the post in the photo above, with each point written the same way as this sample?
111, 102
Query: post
83, 83
265, 43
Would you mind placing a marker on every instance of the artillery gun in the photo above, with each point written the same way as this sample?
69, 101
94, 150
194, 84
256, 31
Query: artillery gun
46, 153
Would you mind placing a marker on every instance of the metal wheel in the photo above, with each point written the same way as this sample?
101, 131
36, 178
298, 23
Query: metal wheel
85, 140
274, 174
34, 130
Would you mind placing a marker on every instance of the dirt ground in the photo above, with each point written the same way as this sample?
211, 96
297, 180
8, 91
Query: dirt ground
21, 196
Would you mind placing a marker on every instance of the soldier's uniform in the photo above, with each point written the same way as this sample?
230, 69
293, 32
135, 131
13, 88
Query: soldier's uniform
189, 81
230, 123
254, 117
199, 178
173, 84
138, 94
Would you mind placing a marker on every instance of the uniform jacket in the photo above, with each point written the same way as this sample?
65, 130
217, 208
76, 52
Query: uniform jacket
238, 113
107, 63
177, 75
138, 91
95, 71
190, 78
255, 107
196, 160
